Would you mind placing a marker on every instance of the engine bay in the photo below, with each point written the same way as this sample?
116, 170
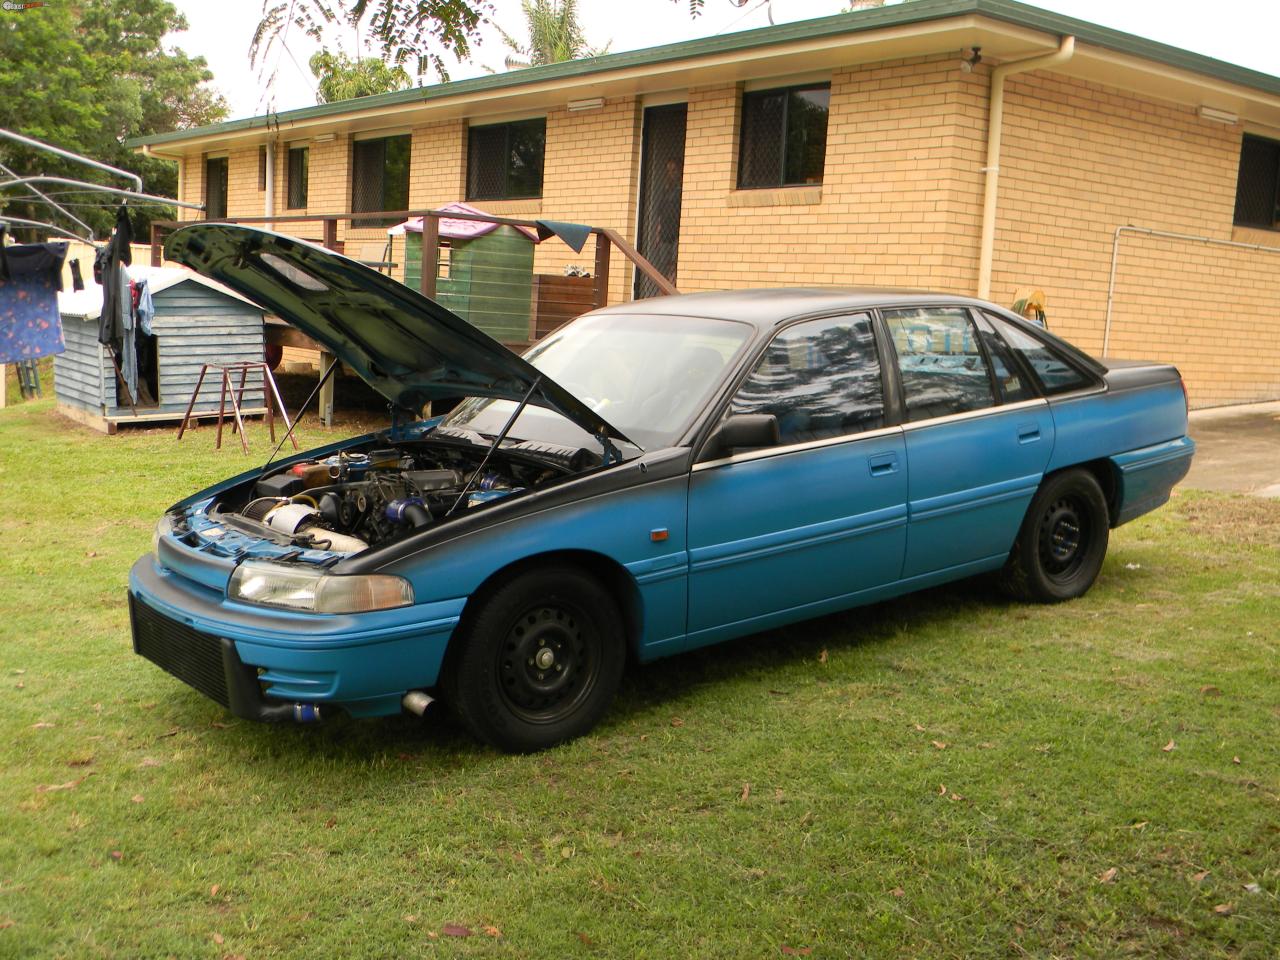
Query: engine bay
369, 495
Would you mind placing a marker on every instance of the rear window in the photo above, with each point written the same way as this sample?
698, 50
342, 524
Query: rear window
940, 364
1055, 373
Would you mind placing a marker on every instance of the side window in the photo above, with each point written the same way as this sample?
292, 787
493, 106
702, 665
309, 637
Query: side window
1056, 375
820, 378
1013, 386
942, 368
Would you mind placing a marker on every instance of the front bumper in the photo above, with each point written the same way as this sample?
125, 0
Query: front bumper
259, 662
208, 663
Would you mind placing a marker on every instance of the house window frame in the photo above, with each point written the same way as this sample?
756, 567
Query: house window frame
292, 195
356, 144
262, 169
506, 193
786, 89
1274, 225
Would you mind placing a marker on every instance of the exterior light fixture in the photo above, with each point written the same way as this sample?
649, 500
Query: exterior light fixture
594, 103
1218, 116
322, 138
970, 57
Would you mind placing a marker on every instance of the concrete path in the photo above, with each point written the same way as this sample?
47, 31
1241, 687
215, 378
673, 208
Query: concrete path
1237, 449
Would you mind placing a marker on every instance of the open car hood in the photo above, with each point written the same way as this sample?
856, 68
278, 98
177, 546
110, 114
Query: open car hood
404, 345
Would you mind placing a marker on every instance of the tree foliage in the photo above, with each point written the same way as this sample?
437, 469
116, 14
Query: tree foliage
554, 35
415, 34
342, 78
84, 77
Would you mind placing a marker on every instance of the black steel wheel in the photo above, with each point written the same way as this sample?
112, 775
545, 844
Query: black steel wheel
549, 661
1063, 540
539, 660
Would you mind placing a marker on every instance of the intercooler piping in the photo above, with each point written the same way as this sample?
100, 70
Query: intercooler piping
297, 712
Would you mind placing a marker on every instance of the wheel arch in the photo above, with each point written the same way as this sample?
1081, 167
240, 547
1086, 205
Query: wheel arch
608, 571
1108, 476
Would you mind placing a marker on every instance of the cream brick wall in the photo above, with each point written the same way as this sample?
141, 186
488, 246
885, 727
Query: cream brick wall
901, 205
894, 208
590, 176
1080, 160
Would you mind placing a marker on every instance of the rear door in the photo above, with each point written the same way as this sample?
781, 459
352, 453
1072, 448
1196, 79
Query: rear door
978, 439
786, 532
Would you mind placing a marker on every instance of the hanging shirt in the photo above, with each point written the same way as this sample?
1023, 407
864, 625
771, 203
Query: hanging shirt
30, 278
143, 306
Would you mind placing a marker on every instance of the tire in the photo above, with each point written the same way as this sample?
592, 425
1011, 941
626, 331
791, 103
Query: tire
539, 662
1063, 540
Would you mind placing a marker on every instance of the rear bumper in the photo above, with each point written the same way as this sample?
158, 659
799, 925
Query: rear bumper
1148, 475
259, 662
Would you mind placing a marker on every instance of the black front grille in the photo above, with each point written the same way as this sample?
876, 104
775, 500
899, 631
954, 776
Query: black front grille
193, 657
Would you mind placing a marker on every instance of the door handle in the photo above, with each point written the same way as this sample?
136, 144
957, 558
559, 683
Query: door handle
1028, 432
883, 464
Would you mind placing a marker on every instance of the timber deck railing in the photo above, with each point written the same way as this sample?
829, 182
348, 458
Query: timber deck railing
511, 302
557, 301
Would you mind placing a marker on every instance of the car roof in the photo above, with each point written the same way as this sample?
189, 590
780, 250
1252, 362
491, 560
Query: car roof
768, 307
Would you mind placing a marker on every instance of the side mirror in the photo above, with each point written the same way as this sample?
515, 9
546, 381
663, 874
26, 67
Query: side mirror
742, 430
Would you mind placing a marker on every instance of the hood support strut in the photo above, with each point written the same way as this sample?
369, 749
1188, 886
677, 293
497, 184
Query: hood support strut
502, 435
305, 403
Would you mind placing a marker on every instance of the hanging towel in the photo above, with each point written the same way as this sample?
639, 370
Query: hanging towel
128, 343
30, 325
574, 234
77, 282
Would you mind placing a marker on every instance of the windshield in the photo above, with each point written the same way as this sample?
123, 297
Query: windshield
645, 375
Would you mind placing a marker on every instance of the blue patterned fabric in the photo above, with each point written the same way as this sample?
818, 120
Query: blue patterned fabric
30, 325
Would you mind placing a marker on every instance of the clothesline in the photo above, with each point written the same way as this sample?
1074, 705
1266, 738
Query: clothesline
30, 325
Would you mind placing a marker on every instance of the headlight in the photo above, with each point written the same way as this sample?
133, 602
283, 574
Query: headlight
164, 526
304, 588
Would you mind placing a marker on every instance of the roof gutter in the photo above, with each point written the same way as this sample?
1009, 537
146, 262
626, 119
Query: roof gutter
1066, 50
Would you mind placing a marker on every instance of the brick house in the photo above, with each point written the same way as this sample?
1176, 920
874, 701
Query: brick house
871, 148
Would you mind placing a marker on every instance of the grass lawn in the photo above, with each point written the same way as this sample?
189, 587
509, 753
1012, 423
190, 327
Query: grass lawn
947, 775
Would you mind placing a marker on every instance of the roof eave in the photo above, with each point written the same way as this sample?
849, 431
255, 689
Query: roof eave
1023, 30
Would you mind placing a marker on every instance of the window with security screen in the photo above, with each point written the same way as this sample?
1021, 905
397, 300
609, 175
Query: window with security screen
379, 178
299, 161
782, 140
504, 160
1258, 186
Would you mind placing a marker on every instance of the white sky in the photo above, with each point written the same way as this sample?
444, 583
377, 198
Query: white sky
1244, 32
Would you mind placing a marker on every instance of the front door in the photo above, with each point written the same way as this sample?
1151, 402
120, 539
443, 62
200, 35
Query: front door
661, 185
789, 532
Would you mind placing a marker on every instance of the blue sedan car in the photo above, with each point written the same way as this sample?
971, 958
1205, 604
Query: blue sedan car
653, 477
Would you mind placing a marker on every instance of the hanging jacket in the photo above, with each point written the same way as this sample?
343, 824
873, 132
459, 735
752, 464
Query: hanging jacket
111, 324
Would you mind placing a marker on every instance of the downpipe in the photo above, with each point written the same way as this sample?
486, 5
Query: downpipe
995, 126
